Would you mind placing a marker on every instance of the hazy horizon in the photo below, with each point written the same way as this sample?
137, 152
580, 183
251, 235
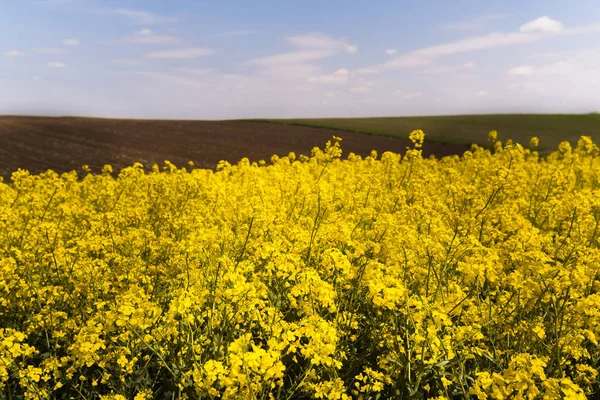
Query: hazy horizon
275, 119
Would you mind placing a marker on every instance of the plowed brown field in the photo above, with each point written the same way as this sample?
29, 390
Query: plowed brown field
64, 144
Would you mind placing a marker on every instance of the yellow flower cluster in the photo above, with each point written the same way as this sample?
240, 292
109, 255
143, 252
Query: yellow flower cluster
393, 276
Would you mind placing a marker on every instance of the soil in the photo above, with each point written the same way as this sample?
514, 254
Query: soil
64, 144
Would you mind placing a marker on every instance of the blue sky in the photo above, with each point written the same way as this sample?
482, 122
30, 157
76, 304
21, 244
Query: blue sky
234, 59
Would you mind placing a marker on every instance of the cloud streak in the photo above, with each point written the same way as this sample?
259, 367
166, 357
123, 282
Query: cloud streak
543, 24
146, 36
533, 31
340, 76
300, 64
194, 71
295, 57
14, 53
140, 17
407, 96
51, 50
176, 79
181, 54
520, 71
71, 42
320, 41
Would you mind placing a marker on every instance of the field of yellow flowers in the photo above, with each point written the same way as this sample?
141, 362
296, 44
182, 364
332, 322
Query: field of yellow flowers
385, 277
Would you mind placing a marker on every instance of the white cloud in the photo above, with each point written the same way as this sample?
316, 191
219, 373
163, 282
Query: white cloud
71, 42
568, 83
533, 31
391, 52
301, 64
14, 53
351, 49
564, 67
439, 69
126, 61
573, 70
481, 93
473, 24
56, 65
295, 57
340, 76
319, 41
140, 16
543, 24
146, 36
366, 82
367, 71
448, 69
520, 71
407, 96
360, 89
287, 72
50, 50
410, 60
582, 30
475, 43
157, 39
412, 95
194, 71
37, 78
174, 79
181, 54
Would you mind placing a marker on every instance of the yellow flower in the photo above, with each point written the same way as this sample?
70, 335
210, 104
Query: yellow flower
417, 137
534, 142
311, 277
539, 331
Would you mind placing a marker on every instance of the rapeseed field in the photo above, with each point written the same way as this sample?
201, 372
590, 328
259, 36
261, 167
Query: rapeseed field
313, 277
